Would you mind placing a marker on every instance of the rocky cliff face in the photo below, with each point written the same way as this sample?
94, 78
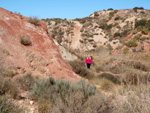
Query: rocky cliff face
109, 28
26, 47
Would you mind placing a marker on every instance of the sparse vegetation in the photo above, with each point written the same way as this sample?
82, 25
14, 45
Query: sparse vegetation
143, 25
132, 43
80, 68
106, 85
111, 14
143, 38
96, 14
8, 88
136, 8
126, 50
9, 73
110, 9
59, 94
112, 78
25, 82
35, 21
117, 17
7, 107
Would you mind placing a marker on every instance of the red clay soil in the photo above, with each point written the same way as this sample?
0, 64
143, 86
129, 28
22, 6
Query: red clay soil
41, 58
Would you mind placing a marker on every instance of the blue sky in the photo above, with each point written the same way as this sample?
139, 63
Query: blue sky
69, 9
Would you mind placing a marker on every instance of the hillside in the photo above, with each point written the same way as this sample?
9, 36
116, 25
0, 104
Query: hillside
111, 28
35, 76
26, 47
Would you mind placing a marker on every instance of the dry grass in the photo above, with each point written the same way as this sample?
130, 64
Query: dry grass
106, 85
8, 88
7, 107
9, 73
25, 40
25, 82
35, 21
135, 99
80, 68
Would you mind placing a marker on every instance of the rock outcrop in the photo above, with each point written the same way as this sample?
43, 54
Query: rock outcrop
102, 28
26, 47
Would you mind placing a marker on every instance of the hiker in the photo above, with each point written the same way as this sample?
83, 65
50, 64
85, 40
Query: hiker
88, 62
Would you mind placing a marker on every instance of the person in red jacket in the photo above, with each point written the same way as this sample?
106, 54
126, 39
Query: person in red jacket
88, 62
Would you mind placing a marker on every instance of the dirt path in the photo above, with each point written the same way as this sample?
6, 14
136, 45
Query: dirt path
77, 35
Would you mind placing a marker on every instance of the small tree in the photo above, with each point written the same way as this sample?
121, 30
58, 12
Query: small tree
132, 43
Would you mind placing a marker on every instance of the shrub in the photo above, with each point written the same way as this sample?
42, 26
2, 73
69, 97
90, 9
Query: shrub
79, 68
110, 9
108, 27
126, 50
137, 100
145, 30
137, 37
110, 77
95, 104
117, 34
96, 14
99, 67
143, 25
55, 91
138, 65
111, 14
141, 22
132, 43
117, 17
9, 73
25, 82
25, 41
8, 88
34, 21
135, 78
106, 85
61, 96
7, 107
136, 8
102, 25
44, 106
135, 31
143, 38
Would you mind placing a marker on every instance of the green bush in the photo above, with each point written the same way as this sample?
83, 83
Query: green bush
143, 38
110, 9
126, 50
135, 31
132, 43
141, 22
137, 37
95, 104
145, 30
111, 14
117, 17
53, 91
143, 25
136, 8
7, 107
